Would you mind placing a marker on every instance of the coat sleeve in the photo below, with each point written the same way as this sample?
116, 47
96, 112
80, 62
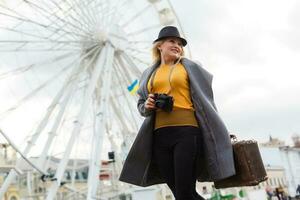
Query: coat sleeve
209, 78
141, 108
141, 101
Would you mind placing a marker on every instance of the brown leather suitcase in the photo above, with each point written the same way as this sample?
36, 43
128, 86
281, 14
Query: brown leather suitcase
249, 166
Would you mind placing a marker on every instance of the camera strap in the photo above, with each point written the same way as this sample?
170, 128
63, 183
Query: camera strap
169, 78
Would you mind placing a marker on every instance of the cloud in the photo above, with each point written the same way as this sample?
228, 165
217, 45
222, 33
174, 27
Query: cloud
252, 49
289, 35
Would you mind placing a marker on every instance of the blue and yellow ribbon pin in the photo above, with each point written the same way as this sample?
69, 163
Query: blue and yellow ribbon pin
133, 87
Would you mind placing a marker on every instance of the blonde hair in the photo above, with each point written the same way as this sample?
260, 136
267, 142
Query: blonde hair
156, 56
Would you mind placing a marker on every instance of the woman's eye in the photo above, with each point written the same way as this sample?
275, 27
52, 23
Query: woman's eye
173, 41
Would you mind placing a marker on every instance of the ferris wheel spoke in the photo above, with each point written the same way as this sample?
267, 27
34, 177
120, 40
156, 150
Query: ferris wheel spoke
118, 36
117, 14
75, 191
88, 23
41, 50
141, 44
133, 57
100, 7
78, 6
22, 43
41, 10
21, 18
119, 116
87, 20
131, 66
82, 21
147, 42
81, 15
107, 13
44, 50
34, 92
101, 111
20, 70
43, 42
125, 93
114, 11
144, 30
46, 27
121, 80
129, 58
136, 16
138, 51
123, 119
120, 67
25, 33
90, 9
56, 36
102, 20
68, 13
120, 14
85, 11
63, 47
111, 14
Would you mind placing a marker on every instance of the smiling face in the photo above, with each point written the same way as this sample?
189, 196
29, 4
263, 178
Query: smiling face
171, 49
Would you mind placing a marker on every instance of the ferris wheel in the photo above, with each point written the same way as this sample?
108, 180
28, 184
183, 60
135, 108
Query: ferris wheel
64, 72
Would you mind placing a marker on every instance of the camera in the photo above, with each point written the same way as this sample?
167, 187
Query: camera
164, 102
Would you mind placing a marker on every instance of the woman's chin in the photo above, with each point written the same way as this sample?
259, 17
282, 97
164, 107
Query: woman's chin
175, 56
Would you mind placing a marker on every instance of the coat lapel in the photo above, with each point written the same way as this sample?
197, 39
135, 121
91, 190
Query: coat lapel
143, 91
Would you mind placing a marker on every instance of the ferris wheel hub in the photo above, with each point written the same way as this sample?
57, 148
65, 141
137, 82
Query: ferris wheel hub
118, 37
102, 35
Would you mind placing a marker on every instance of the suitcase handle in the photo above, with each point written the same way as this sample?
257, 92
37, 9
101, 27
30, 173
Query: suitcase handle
233, 137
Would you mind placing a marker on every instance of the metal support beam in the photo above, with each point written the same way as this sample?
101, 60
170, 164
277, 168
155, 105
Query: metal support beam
13, 174
78, 123
95, 164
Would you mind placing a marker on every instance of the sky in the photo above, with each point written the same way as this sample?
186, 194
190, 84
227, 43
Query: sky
252, 48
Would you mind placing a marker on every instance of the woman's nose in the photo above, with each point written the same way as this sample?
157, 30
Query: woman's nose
178, 45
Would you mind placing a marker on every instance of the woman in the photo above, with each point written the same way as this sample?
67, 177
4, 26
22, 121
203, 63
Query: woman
182, 137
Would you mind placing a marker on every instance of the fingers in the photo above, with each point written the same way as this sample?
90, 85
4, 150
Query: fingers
150, 102
151, 95
151, 98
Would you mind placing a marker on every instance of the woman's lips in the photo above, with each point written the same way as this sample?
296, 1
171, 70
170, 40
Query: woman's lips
175, 50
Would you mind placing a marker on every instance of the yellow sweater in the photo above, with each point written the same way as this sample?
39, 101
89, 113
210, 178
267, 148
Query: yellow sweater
183, 110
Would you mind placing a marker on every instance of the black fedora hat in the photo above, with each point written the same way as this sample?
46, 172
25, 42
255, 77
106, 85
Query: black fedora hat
169, 31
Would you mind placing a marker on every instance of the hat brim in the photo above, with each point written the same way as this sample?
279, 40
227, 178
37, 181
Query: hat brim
184, 42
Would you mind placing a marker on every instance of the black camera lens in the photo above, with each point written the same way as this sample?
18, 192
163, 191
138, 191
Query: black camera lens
164, 102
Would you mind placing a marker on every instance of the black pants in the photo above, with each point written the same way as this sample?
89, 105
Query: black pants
174, 150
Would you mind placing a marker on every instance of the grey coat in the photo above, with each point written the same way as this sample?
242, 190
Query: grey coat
216, 160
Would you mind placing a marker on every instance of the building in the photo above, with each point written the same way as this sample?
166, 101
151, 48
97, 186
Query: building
273, 142
31, 184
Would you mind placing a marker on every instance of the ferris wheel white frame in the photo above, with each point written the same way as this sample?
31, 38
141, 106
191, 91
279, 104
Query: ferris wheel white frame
102, 53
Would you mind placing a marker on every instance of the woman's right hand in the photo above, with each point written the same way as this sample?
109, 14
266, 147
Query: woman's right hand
150, 102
